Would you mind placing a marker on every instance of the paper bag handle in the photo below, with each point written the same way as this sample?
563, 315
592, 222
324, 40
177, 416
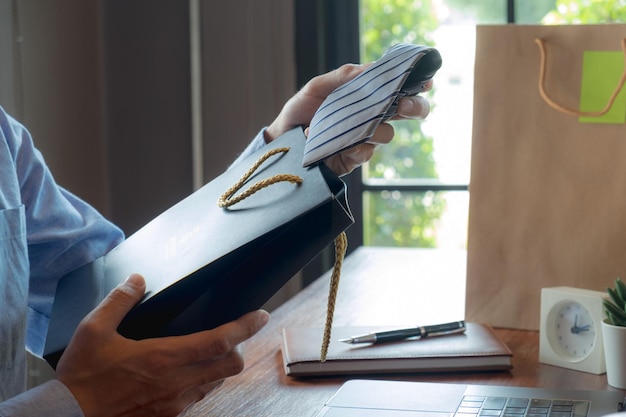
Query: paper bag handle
567, 110
341, 244
228, 199
341, 241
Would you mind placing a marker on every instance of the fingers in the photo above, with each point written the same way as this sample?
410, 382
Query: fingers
413, 107
205, 373
322, 85
299, 110
346, 161
120, 301
159, 376
201, 360
382, 135
198, 347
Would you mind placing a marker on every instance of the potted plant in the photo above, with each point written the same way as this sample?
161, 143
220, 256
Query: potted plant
614, 334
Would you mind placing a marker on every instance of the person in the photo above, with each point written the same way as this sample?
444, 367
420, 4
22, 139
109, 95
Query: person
46, 232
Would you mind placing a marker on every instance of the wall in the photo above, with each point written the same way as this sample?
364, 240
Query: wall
8, 80
105, 88
248, 62
56, 91
148, 109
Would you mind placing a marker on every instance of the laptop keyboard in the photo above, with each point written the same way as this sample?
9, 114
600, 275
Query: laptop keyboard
475, 406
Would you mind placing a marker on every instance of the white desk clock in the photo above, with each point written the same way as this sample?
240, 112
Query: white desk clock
570, 332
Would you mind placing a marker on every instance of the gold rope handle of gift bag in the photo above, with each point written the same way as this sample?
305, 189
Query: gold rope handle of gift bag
341, 244
227, 199
567, 110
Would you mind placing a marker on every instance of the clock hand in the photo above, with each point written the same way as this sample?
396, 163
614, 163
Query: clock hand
575, 329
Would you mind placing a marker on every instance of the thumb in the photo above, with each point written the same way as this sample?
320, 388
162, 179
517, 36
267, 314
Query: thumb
336, 78
121, 300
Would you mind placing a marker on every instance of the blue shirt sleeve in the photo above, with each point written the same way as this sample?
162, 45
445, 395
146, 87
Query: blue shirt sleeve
63, 232
51, 399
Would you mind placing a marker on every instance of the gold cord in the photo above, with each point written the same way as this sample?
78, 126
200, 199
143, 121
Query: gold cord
566, 110
227, 199
341, 244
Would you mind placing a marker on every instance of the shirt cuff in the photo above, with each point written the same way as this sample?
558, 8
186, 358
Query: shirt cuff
50, 399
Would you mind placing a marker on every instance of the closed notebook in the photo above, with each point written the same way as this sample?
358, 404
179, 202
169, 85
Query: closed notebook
478, 349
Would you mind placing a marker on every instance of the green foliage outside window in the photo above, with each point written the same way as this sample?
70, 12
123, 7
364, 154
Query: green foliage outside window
587, 12
386, 23
394, 218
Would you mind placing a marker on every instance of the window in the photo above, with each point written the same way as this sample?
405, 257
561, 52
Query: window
415, 190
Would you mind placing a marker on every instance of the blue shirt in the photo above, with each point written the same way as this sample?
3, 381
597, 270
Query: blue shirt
45, 232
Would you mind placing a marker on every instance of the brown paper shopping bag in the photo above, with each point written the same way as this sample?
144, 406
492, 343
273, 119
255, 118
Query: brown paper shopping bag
547, 189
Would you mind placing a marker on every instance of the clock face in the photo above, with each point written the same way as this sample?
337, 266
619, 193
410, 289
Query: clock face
571, 330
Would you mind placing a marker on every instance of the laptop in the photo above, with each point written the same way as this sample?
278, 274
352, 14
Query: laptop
376, 398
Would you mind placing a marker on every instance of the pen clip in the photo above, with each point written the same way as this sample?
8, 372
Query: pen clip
445, 332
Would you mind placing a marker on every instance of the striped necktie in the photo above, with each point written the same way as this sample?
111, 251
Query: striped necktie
350, 114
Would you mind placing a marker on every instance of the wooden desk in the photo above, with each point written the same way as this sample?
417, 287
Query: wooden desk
378, 286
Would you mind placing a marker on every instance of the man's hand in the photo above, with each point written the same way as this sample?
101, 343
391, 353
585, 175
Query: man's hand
110, 375
299, 111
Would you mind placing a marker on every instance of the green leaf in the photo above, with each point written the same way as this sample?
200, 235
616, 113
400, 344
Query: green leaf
618, 314
621, 290
617, 300
618, 322
609, 318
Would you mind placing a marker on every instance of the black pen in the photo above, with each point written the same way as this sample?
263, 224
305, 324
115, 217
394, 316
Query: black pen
414, 332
